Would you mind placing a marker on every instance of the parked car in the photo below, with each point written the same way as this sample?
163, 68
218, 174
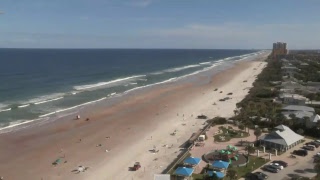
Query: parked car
270, 169
313, 143
282, 163
309, 148
253, 176
276, 165
300, 152
261, 174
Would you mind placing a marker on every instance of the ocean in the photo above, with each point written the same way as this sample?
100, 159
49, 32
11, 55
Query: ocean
36, 84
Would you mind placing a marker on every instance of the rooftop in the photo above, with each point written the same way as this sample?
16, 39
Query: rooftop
283, 135
295, 96
298, 114
298, 108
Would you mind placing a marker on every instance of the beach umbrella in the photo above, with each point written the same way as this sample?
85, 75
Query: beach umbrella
228, 152
183, 171
222, 151
229, 147
220, 164
219, 175
236, 158
192, 160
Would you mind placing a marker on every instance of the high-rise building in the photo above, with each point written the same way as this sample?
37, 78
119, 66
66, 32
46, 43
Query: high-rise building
279, 50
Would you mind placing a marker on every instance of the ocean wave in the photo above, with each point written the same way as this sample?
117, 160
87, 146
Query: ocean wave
111, 94
101, 84
73, 107
44, 98
4, 110
2, 106
204, 63
41, 102
181, 68
18, 123
133, 83
177, 69
150, 85
25, 105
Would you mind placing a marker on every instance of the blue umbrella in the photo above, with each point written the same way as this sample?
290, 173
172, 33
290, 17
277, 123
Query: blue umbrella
192, 160
220, 164
218, 174
183, 171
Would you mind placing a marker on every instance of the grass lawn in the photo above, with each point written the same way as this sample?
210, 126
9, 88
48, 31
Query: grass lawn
197, 176
254, 163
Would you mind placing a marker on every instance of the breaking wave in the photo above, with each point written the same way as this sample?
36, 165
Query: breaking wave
110, 83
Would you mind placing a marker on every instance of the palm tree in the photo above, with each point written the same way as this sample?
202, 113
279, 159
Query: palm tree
250, 149
257, 133
232, 174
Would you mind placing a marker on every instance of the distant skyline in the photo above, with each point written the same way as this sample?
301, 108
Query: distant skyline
203, 24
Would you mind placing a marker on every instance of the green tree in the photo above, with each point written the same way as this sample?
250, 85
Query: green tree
241, 127
317, 169
257, 133
250, 149
232, 174
300, 131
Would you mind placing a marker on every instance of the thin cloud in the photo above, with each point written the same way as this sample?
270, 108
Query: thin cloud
242, 35
1, 12
139, 3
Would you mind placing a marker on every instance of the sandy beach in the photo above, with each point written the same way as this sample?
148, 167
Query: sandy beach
117, 136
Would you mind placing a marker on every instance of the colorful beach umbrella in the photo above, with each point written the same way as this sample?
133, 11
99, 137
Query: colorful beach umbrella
183, 171
192, 160
220, 164
217, 173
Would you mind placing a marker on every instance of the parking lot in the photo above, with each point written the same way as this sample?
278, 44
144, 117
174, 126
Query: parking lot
302, 166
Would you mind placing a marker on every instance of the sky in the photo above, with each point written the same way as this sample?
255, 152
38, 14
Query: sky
191, 24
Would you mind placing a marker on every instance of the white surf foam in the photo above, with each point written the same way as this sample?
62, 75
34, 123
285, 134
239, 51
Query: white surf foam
177, 69
41, 102
150, 85
66, 109
25, 105
111, 94
101, 84
181, 68
4, 110
19, 123
41, 99
204, 63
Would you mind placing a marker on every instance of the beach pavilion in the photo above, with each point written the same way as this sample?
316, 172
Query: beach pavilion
283, 138
193, 161
184, 171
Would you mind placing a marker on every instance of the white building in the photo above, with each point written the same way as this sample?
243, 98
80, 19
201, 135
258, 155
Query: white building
283, 138
293, 99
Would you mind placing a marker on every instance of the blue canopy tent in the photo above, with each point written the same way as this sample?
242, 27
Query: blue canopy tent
183, 171
220, 164
192, 160
219, 175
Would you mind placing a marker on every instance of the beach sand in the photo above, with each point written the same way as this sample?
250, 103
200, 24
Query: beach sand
117, 136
